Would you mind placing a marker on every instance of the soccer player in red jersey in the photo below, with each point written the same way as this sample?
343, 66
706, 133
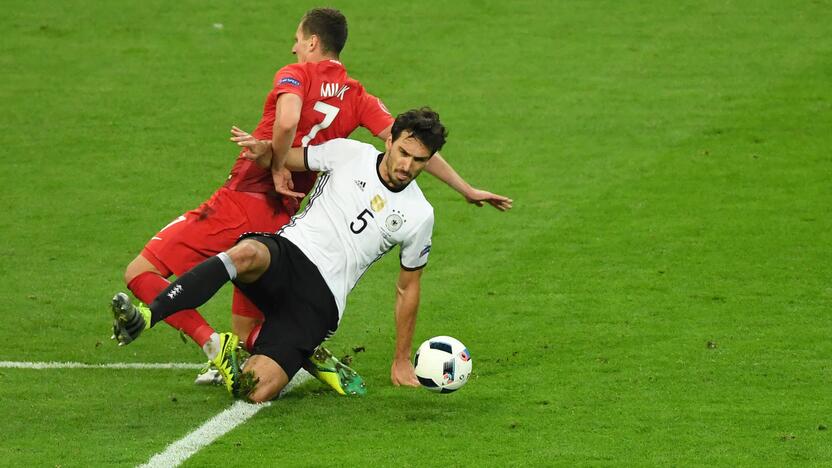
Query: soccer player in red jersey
312, 101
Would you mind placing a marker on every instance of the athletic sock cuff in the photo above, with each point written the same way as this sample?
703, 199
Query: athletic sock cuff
229, 265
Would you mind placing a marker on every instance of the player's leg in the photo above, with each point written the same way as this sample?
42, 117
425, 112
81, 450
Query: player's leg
245, 316
322, 364
245, 261
269, 376
265, 214
145, 280
300, 314
188, 240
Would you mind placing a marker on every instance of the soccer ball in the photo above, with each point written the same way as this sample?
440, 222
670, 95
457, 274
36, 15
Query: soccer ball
443, 364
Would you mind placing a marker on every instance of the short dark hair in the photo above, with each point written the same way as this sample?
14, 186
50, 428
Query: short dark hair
329, 25
423, 124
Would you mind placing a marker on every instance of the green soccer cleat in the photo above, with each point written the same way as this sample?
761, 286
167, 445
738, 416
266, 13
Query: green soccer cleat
345, 381
129, 321
227, 363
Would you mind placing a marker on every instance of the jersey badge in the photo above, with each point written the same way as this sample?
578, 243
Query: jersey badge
360, 184
395, 221
377, 203
289, 80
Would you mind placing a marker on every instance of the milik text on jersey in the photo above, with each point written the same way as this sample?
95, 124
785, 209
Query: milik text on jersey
333, 89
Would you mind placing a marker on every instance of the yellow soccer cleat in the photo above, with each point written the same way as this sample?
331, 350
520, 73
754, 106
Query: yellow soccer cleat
329, 370
227, 362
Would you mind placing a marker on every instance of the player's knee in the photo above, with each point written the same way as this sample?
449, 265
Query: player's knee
269, 376
138, 266
263, 393
249, 256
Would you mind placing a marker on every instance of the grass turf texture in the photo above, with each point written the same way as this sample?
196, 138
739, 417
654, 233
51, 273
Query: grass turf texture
659, 295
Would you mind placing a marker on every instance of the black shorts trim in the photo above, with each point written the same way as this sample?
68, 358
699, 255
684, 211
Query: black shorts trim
299, 308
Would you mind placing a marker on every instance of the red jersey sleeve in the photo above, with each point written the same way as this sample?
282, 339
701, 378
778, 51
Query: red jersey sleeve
373, 115
291, 79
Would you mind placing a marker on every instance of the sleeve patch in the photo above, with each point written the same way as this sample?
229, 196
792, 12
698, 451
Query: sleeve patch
289, 80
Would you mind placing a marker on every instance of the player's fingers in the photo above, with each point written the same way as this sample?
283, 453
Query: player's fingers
503, 203
242, 138
241, 135
496, 204
289, 193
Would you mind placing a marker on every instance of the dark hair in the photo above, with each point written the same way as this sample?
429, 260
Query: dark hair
423, 124
329, 25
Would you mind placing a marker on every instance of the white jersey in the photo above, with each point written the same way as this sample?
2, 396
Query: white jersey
353, 218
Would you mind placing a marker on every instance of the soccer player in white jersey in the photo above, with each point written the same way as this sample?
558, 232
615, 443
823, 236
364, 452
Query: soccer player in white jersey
363, 205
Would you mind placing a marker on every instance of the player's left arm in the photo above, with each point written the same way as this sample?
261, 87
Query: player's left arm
408, 289
375, 117
439, 168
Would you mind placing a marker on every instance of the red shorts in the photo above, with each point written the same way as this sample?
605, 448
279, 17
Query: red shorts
212, 228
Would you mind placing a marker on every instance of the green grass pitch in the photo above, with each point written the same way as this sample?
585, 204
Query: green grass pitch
660, 294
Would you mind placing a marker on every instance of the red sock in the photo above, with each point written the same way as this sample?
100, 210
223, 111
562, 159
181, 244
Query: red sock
148, 285
252, 337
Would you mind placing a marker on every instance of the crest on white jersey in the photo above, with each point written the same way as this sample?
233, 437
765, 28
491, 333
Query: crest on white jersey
394, 221
377, 203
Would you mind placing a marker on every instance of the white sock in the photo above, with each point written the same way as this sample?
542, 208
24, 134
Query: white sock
229, 265
212, 346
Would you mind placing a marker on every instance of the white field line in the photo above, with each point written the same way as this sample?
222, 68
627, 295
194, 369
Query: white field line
184, 448
214, 428
179, 451
113, 365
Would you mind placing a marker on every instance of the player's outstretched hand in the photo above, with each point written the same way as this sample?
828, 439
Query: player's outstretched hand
403, 373
252, 149
284, 185
478, 197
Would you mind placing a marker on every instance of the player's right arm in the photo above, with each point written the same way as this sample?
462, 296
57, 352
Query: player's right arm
261, 151
286, 118
408, 289
413, 256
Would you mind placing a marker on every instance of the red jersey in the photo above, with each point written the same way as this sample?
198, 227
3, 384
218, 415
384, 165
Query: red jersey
333, 106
